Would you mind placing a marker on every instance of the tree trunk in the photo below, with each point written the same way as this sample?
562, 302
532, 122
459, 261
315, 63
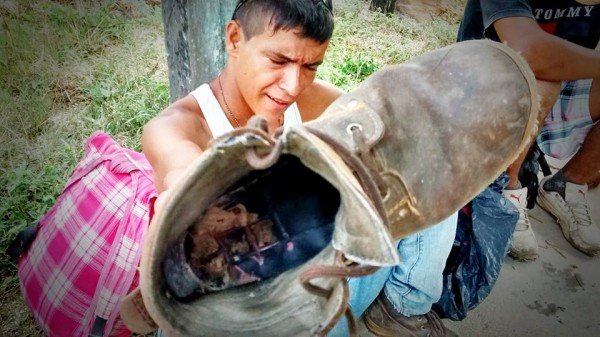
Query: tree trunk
194, 37
385, 6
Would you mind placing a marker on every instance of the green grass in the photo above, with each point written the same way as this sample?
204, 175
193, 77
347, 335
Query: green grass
70, 68
364, 41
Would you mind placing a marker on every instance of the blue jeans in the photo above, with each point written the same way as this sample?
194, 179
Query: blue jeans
413, 285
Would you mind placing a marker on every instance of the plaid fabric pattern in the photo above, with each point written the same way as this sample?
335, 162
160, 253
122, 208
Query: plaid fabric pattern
569, 121
84, 258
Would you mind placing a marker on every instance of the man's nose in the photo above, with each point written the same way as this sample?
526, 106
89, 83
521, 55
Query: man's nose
291, 80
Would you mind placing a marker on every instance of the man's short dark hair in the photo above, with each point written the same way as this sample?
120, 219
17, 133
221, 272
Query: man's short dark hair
313, 17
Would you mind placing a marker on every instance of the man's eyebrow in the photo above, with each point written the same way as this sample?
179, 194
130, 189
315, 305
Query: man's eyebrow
287, 59
315, 64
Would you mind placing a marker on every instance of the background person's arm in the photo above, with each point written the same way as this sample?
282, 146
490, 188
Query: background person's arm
551, 58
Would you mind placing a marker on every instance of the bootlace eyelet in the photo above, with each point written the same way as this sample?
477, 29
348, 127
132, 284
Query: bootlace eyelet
353, 126
385, 194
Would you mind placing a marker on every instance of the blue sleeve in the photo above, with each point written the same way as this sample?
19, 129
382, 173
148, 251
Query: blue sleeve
480, 15
494, 10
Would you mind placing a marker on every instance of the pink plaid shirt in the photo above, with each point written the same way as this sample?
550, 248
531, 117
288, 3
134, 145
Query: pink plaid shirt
84, 258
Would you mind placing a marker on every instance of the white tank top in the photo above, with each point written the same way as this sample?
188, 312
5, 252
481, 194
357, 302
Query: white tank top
217, 120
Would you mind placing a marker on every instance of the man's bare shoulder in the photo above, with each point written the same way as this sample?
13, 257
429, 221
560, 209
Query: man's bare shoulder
316, 98
184, 119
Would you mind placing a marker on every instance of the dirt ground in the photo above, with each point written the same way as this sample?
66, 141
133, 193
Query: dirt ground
15, 316
553, 296
449, 10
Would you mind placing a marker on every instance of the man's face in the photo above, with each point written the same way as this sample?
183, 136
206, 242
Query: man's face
273, 68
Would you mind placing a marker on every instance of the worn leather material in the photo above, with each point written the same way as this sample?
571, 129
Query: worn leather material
436, 130
441, 127
276, 307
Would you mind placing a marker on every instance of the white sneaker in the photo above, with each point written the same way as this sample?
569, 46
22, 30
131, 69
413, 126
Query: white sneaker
573, 216
524, 244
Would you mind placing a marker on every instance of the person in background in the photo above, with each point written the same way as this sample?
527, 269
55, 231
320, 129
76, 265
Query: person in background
558, 39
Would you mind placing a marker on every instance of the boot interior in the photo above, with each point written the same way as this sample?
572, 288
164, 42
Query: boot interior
268, 222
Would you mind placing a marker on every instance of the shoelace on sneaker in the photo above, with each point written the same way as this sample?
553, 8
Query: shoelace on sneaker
580, 212
523, 222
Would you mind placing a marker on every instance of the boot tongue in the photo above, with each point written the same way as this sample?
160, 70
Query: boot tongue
576, 193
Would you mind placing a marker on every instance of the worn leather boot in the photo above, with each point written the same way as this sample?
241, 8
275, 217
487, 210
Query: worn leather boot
434, 131
382, 319
410, 146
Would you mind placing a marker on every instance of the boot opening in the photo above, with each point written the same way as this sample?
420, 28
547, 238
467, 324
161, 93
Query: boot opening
265, 224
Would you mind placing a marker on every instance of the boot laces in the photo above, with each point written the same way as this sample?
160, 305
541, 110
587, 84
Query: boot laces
258, 126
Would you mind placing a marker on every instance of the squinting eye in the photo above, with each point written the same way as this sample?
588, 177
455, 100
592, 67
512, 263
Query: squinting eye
277, 62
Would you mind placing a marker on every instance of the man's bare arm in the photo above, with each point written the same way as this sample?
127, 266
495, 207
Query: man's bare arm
551, 58
173, 139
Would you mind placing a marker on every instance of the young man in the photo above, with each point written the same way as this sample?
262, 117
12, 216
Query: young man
270, 72
557, 38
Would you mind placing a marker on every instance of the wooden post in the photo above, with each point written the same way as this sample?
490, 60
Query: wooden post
385, 6
194, 37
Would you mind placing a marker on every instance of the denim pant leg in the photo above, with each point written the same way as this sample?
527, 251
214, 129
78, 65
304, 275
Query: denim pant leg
416, 283
364, 290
